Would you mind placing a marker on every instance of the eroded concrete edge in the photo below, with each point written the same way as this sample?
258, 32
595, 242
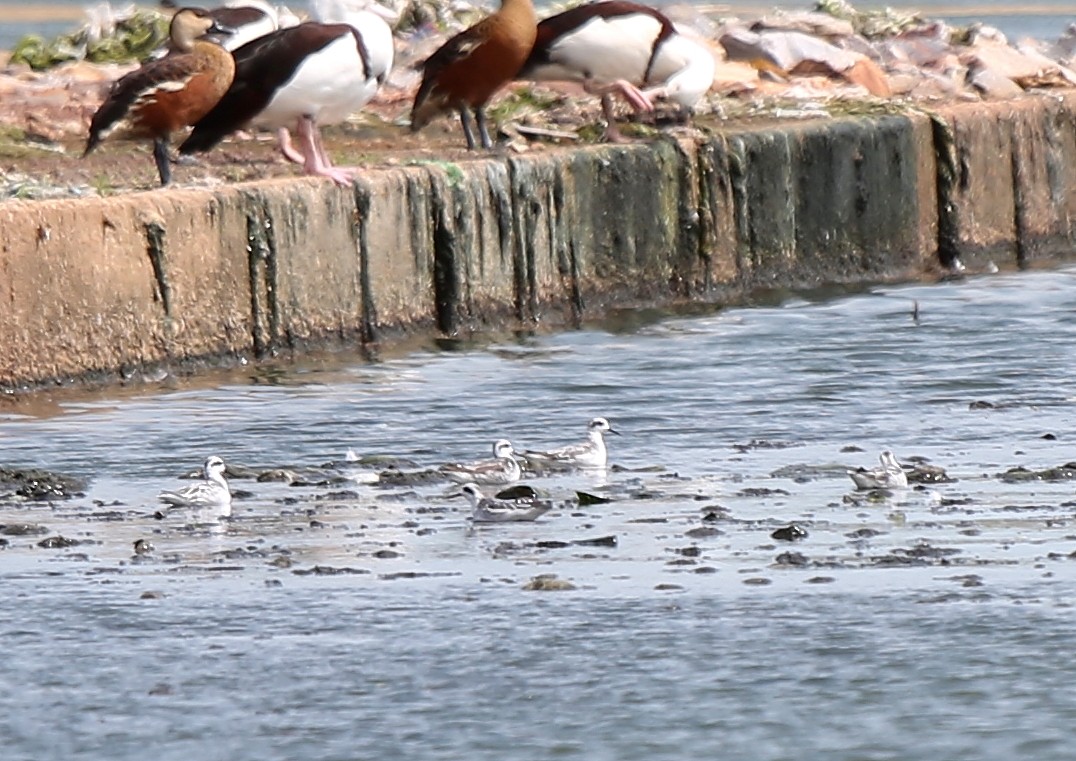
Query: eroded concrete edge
95, 288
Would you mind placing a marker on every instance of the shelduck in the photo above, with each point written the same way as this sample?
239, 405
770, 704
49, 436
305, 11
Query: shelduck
170, 92
621, 46
248, 20
464, 73
311, 74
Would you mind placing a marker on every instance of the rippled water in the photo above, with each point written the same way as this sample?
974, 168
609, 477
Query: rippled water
928, 623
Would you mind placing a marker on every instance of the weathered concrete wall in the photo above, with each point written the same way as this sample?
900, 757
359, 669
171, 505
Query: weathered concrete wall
1007, 180
102, 286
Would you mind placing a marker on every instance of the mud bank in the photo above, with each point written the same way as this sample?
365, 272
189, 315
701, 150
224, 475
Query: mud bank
97, 288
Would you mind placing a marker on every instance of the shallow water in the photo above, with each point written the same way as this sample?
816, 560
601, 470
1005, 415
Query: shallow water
924, 623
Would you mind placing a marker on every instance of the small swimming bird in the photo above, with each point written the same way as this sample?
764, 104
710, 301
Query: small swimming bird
621, 46
167, 93
587, 454
502, 469
464, 73
492, 510
213, 491
303, 76
890, 475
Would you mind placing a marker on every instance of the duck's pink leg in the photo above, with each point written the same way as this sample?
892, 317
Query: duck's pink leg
284, 139
316, 160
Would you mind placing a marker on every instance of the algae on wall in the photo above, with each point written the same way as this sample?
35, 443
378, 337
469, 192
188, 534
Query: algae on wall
175, 276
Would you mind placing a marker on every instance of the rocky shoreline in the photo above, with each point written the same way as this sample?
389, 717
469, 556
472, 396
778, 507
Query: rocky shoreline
778, 66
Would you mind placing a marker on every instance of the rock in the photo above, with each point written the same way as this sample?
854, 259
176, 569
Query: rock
791, 559
867, 74
994, 86
57, 542
548, 582
35, 484
326, 570
991, 62
590, 499
22, 529
790, 533
600, 541
922, 473
807, 22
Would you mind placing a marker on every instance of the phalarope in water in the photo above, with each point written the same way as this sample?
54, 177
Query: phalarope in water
890, 475
492, 510
502, 469
211, 492
587, 454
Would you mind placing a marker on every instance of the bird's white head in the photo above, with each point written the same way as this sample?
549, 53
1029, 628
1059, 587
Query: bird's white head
503, 448
214, 468
472, 493
600, 425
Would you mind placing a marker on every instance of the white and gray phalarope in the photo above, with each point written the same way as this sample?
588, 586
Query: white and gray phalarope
586, 454
492, 510
890, 475
211, 492
502, 469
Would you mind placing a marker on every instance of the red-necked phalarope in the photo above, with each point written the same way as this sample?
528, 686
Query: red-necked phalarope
503, 469
587, 454
211, 492
492, 510
889, 476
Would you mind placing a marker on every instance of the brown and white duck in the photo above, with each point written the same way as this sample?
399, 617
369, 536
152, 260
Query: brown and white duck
169, 93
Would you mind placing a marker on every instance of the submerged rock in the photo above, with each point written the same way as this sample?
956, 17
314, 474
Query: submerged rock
37, 485
57, 542
22, 529
1020, 474
328, 570
921, 473
548, 582
790, 533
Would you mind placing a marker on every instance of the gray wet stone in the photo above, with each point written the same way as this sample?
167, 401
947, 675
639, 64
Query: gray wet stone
790, 533
40, 485
57, 542
22, 529
548, 582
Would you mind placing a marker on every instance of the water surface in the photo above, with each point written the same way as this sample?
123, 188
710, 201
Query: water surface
926, 623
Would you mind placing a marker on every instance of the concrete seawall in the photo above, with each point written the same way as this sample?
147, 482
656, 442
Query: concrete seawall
93, 288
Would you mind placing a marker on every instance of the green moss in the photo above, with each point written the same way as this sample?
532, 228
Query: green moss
103, 185
454, 172
591, 133
519, 102
871, 24
134, 39
11, 134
